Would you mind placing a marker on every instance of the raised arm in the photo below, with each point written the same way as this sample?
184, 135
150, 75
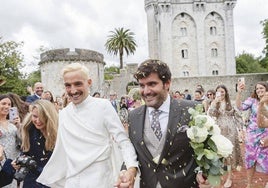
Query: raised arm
240, 88
262, 113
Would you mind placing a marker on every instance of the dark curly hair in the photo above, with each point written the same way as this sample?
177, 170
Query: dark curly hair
153, 66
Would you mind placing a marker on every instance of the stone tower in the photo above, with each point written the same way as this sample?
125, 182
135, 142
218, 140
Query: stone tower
53, 61
195, 37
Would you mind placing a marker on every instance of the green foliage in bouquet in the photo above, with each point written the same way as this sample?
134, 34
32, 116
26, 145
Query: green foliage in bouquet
210, 147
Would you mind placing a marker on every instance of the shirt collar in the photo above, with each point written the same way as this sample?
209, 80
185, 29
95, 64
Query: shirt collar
164, 107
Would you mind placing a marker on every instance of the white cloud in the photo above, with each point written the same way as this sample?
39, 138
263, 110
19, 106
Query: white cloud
248, 31
86, 24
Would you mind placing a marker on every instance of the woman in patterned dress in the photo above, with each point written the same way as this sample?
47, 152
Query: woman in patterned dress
223, 112
8, 131
256, 156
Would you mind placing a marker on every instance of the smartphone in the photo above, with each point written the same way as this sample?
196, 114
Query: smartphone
13, 113
241, 80
218, 94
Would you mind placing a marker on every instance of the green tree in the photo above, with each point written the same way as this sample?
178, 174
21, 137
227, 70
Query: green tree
264, 61
34, 77
109, 72
247, 63
265, 36
119, 41
10, 64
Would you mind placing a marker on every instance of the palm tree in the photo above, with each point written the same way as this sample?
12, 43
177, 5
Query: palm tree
119, 41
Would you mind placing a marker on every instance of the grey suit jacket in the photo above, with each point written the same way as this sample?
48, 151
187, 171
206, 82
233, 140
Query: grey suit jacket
176, 165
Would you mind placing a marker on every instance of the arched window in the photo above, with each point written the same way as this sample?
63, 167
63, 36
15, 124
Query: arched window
184, 53
214, 52
213, 30
183, 31
215, 72
185, 73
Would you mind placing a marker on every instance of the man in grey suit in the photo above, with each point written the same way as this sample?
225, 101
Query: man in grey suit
158, 132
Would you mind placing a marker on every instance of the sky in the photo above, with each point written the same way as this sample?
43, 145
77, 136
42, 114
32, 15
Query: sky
87, 23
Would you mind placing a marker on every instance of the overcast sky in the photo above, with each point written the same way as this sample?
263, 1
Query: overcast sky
86, 24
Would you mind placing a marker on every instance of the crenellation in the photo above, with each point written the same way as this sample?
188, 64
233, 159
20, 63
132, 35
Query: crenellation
67, 55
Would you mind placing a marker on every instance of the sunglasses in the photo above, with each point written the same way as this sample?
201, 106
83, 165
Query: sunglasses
209, 94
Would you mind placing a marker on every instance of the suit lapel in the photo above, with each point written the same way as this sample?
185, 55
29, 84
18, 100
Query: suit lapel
173, 125
139, 127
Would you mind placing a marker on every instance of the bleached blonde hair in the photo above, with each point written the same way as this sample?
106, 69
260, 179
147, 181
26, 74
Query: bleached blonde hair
76, 67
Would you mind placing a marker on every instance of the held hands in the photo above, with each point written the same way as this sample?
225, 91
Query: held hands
126, 178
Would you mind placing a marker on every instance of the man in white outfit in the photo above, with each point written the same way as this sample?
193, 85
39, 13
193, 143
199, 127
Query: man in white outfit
89, 138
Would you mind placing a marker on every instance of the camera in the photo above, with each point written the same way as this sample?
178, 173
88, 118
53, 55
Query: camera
27, 164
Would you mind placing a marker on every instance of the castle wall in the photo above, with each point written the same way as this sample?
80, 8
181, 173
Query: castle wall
119, 83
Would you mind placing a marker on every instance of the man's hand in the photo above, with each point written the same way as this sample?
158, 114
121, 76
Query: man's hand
126, 178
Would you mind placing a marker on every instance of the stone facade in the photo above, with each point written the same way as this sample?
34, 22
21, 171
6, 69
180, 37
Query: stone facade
53, 61
194, 37
120, 81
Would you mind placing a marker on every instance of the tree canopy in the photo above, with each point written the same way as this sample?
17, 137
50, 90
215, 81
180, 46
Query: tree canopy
247, 63
11, 63
119, 41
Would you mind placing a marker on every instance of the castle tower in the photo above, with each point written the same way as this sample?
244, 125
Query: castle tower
53, 61
195, 37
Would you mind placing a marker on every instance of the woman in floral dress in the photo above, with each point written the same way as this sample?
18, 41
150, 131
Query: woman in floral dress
8, 132
256, 156
222, 110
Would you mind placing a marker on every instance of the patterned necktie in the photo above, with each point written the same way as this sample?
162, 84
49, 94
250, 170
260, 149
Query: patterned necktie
155, 125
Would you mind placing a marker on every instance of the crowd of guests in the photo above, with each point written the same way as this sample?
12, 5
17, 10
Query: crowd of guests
33, 131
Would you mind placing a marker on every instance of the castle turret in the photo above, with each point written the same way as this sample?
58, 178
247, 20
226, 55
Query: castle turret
53, 61
195, 37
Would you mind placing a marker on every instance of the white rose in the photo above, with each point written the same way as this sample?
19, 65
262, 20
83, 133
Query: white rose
209, 121
224, 145
215, 130
197, 134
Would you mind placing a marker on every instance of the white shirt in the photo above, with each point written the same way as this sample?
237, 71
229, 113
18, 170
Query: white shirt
164, 115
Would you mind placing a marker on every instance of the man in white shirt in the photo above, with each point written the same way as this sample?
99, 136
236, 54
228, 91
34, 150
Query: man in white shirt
90, 131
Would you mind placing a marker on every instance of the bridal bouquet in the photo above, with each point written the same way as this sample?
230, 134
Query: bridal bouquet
210, 147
